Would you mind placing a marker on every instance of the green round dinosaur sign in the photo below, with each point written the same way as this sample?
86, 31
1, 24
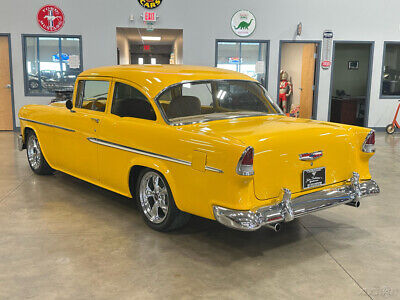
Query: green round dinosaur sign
243, 23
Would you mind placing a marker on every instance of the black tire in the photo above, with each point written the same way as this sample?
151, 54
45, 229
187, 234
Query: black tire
390, 129
173, 218
36, 160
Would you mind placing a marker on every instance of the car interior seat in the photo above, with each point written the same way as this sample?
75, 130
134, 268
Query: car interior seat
184, 106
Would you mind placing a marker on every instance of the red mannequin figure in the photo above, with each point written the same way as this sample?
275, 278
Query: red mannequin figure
285, 90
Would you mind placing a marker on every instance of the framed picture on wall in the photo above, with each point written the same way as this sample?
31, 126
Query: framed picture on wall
353, 64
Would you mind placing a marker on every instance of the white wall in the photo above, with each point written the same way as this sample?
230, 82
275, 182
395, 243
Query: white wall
124, 49
206, 20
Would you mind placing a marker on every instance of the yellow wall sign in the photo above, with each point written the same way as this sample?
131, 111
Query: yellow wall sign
150, 4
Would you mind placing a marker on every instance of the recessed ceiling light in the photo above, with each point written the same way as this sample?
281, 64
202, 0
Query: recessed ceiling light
151, 38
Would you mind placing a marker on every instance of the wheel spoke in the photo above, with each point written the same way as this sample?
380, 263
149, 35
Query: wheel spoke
156, 183
149, 192
163, 191
163, 206
154, 210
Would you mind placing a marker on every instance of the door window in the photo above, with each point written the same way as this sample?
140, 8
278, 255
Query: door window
391, 71
92, 94
129, 102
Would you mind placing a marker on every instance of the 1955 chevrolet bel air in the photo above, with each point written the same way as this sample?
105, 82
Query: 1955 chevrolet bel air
185, 140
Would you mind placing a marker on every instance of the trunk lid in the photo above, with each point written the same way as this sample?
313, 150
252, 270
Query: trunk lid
278, 141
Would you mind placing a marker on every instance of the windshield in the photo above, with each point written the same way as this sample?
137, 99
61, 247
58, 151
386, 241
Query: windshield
201, 101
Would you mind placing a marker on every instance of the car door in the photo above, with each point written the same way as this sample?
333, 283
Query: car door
129, 123
78, 151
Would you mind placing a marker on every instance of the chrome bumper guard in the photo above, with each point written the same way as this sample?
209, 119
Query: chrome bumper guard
289, 208
20, 143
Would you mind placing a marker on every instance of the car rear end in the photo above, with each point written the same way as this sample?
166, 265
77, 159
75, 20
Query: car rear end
307, 167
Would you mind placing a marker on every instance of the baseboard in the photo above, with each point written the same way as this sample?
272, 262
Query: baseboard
379, 129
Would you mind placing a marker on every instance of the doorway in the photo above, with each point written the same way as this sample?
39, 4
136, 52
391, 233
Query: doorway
6, 107
298, 78
247, 57
350, 82
140, 46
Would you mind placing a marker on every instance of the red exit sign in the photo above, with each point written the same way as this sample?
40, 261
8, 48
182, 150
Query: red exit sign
146, 47
150, 16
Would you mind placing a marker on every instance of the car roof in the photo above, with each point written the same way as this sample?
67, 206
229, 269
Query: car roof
155, 78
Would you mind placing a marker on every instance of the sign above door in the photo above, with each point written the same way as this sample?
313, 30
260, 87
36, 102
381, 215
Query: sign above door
243, 23
150, 4
50, 18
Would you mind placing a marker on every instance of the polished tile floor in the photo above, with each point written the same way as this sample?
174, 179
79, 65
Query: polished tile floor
63, 238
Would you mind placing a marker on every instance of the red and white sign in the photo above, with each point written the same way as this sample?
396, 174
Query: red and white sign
149, 16
326, 64
50, 18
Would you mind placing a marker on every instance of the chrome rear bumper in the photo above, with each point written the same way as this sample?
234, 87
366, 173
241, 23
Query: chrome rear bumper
289, 208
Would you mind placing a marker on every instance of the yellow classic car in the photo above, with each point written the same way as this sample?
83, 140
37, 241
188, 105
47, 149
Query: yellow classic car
184, 140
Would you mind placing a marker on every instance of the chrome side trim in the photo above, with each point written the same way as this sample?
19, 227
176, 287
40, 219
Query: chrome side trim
147, 153
289, 208
213, 169
46, 124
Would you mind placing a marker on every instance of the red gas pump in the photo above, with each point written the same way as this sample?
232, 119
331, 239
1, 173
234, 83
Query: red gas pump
392, 127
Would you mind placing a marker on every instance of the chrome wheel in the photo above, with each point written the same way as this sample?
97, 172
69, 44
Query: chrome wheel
34, 153
154, 197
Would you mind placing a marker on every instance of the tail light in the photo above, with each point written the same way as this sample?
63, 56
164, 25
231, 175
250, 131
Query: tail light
369, 143
245, 164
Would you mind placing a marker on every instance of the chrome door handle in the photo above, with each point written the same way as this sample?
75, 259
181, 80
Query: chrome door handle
8, 86
96, 120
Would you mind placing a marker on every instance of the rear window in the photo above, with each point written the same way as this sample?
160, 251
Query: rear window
201, 101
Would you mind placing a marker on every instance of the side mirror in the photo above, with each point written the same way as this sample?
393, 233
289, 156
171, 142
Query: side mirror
68, 104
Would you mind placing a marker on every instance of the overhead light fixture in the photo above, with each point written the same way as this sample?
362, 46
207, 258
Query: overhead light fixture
151, 38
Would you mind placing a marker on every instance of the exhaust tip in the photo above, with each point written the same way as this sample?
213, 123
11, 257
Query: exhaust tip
354, 203
275, 227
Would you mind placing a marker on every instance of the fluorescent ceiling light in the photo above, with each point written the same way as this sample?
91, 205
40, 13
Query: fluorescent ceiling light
151, 38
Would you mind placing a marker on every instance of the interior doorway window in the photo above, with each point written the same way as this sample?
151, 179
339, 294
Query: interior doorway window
297, 78
350, 83
391, 70
248, 57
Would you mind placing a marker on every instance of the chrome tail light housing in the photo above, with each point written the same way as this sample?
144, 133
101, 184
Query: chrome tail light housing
245, 164
369, 143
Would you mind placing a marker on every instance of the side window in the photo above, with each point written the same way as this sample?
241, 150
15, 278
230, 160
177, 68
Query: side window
129, 102
92, 94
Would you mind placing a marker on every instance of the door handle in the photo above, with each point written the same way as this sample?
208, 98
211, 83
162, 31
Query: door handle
96, 120
8, 86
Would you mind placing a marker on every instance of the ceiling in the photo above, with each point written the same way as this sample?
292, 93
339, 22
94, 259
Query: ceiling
168, 36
